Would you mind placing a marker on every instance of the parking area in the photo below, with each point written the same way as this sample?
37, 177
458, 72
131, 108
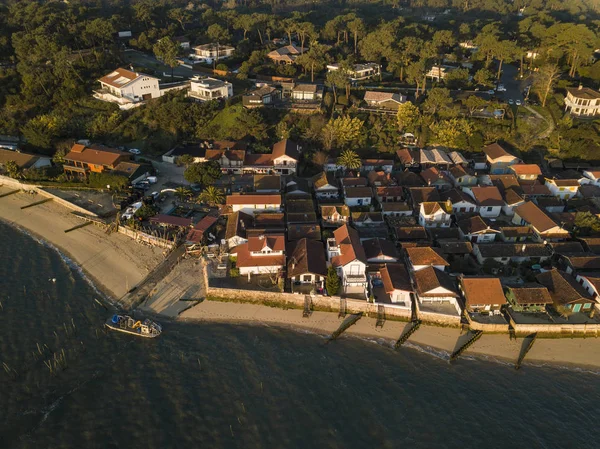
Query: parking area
98, 203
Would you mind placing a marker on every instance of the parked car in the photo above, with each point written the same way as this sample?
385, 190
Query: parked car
518, 102
511, 102
501, 88
491, 91
134, 151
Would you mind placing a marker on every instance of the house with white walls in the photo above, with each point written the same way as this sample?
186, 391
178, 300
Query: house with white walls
325, 186
489, 200
346, 254
396, 285
435, 214
475, 230
253, 203
421, 257
127, 89
433, 286
262, 254
564, 189
461, 202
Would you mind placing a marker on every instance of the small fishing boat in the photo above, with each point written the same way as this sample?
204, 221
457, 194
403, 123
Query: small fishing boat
124, 323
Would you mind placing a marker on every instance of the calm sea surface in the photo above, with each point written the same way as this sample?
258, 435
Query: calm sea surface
225, 386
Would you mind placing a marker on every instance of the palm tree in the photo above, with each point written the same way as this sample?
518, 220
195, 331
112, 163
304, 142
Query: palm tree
182, 193
212, 196
349, 159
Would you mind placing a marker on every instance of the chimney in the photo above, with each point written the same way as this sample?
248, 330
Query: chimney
580, 86
523, 247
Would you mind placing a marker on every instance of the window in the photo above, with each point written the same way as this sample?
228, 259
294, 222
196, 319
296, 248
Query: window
489, 209
587, 305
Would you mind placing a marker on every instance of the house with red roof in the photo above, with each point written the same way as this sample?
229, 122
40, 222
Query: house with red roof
347, 255
262, 254
127, 88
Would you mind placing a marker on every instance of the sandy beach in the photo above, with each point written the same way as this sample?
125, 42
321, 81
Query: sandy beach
115, 263
433, 339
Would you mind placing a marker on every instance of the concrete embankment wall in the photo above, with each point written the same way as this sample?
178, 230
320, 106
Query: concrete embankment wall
146, 238
558, 329
322, 303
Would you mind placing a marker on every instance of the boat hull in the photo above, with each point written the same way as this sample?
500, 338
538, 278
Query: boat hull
129, 331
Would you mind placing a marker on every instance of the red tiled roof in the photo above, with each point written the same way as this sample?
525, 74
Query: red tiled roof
276, 242
425, 255
482, 291
349, 242
95, 155
245, 259
395, 277
487, 196
252, 199
526, 169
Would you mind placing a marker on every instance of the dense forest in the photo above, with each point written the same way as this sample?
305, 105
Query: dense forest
52, 53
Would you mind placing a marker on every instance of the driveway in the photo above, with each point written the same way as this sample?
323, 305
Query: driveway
514, 86
149, 61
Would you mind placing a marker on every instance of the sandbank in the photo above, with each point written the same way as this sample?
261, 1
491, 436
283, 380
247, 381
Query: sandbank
115, 262
441, 341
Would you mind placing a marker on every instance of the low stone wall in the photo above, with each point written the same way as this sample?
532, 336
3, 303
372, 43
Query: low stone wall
488, 327
325, 303
439, 319
557, 329
146, 238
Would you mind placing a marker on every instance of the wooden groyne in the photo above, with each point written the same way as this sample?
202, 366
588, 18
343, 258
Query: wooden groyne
352, 319
12, 192
525, 350
406, 335
463, 348
37, 203
79, 226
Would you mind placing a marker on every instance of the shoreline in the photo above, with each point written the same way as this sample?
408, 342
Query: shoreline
437, 341
111, 263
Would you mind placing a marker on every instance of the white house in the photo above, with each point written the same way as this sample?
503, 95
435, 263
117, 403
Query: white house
334, 214
433, 286
358, 196
285, 155
526, 172
369, 165
214, 51
307, 92
435, 214
324, 186
384, 100
421, 257
306, 263
126, 88
564, 189
489, 200
592, 176
358, 72
511, 200
396, 282
462, 177
347, 255
476, 230
252, 204
582, 101
206, 89
261, 254
461, 202
235, 231
543, 226
498, 159
380, 250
